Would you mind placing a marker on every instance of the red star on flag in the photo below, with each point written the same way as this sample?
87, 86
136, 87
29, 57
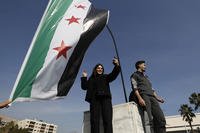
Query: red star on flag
80, 6
72, 20
62, 50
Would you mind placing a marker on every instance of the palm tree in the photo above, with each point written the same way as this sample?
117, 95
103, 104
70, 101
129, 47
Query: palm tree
187, 113
195, 100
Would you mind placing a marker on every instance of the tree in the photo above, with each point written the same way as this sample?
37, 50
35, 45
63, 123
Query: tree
187, 113
11, 127
195, 100
0, 121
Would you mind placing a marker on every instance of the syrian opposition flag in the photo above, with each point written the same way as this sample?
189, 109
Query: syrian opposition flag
53, 60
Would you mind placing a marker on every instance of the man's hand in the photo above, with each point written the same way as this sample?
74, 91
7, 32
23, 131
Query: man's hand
159, 99
141, 102
84, 74
140, 99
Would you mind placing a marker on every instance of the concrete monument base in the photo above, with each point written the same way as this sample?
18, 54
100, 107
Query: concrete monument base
126, 119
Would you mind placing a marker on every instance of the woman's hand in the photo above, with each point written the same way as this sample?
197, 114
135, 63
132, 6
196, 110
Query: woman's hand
115, 61
84, 74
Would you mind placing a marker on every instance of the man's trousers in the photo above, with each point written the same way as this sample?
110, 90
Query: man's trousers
156, 117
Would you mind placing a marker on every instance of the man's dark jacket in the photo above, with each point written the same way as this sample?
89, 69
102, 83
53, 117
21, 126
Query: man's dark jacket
98, 86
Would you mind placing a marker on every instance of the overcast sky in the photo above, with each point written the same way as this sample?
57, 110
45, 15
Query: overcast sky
164, 33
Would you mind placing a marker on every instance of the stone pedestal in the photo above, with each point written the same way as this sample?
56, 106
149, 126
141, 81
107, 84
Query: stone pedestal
126, 119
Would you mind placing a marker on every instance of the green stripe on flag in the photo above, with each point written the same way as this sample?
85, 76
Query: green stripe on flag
41, 46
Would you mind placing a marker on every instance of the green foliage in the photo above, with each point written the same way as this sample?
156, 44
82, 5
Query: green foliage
195, 100
11, 127
188, 112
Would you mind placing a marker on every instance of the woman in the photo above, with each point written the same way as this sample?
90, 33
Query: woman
99, 96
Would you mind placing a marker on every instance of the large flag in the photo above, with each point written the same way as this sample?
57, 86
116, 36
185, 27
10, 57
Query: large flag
53, 60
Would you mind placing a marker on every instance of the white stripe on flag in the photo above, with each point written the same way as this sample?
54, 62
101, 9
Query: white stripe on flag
28, 54
45, 84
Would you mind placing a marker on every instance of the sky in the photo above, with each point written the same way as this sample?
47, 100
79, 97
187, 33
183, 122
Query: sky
163, 33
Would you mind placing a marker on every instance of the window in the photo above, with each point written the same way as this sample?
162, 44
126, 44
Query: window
32, 122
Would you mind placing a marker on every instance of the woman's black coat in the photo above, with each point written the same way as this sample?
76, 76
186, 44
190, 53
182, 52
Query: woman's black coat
98, 86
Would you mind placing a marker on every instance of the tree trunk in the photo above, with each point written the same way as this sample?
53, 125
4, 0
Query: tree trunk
191, 127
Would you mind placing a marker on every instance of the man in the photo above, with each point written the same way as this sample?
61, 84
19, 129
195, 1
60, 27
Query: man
147, 98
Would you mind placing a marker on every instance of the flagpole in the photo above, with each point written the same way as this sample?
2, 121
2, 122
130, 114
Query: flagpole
116, 50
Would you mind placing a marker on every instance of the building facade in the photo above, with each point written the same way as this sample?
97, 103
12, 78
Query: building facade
36, 126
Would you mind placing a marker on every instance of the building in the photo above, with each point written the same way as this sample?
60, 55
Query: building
176, 124
36, 126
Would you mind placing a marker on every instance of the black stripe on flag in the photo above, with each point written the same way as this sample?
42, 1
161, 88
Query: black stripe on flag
99, 18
